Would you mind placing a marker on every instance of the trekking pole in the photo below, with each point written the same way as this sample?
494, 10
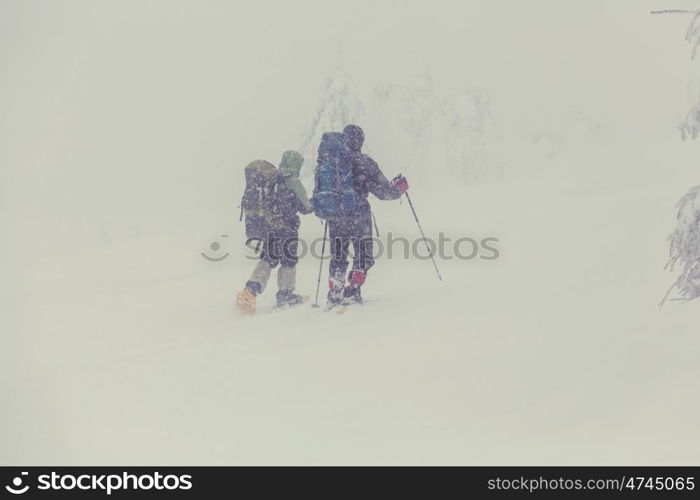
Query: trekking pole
415, 216
374, 219
320, 267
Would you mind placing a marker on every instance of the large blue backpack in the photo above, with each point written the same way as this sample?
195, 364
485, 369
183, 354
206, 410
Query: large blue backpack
334, 192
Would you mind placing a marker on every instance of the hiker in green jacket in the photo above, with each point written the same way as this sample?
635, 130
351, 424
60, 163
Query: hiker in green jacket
286, 198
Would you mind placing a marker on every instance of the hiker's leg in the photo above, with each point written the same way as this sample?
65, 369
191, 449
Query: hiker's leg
363, 245
364, 259
286, 276
339, 248
268, 261
340, 243
246, 298
258, 280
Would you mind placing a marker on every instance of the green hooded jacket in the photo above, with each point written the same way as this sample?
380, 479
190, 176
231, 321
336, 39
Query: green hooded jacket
289, 168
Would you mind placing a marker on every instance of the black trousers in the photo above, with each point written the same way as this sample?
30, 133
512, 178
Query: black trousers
281, 246
356, 231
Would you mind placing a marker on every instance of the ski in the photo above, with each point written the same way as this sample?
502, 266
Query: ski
341, 308
333, 307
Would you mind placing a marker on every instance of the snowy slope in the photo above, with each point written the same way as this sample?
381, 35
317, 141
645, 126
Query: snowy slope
481, 368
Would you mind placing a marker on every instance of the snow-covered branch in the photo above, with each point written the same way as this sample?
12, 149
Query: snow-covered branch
692, 34
690, 126
685, 247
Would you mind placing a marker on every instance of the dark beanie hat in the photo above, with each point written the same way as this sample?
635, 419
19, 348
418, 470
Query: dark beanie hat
356, 137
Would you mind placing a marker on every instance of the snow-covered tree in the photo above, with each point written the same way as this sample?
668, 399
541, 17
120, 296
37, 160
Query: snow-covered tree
692, 34
338, 106
684, 250
690, 126
410, 126
472, 134
685, 246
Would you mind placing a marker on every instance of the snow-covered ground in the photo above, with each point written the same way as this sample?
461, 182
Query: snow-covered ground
120, 345
554, 353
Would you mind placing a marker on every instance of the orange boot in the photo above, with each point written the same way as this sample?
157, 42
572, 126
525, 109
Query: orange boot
245, 302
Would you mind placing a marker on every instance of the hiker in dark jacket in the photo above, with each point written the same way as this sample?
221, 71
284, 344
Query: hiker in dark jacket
357, 229
280, 244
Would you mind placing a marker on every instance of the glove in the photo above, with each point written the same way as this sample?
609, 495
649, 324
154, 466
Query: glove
402, 184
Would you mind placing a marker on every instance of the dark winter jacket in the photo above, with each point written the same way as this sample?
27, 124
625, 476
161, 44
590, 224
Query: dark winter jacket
291, 197
290, 166
367, 177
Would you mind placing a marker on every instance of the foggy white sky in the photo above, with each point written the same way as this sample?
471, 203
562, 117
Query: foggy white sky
102, 100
